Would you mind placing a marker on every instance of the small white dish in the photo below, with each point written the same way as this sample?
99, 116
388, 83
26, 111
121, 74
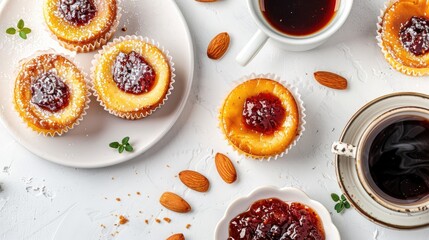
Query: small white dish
346, 169
287, 194
87, 145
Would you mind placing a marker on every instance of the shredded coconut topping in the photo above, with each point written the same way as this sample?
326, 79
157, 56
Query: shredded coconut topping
414, 35
77, 12
132, 73
49, 92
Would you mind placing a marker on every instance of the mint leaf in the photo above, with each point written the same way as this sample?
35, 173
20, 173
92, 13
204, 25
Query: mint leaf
335, 197
23, 35
129, 148
125, 140
20, 24
343, 198
121, 149
26, 30
347, 205
11, 31
114, 145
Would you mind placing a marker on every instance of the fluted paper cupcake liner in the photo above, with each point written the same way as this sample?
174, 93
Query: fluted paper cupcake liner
64, 130
89, 47
301, 109
397, 65
133, 116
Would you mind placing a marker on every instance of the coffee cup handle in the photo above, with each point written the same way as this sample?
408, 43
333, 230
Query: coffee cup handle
251, 48
344, 149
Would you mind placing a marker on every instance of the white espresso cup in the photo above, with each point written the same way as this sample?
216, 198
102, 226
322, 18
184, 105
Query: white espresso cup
289, 42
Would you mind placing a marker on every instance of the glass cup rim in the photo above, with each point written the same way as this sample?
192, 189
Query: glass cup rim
418, 206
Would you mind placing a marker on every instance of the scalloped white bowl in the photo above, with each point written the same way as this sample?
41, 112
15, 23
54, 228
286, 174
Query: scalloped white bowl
288, 195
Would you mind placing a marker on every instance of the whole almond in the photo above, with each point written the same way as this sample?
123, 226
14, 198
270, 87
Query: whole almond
174, 202
225, 168
331, 80
218, 46
194, 180
177, 236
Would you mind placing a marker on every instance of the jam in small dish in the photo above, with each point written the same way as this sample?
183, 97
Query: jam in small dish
273, 219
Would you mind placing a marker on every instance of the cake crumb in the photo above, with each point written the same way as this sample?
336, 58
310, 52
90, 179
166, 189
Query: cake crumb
188, 226
138, 193
129, 195
157, 220
167, 220
123, 220
124, 29
146, 221
113, 178
118, 199
102, 225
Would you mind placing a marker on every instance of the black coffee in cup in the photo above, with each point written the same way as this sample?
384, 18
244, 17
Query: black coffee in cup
298, 17
398, 159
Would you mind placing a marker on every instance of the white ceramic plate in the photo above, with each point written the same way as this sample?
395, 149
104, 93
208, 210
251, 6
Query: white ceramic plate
287, 194
346, 170
86, 145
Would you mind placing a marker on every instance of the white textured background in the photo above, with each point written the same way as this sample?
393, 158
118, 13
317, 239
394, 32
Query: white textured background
39, 199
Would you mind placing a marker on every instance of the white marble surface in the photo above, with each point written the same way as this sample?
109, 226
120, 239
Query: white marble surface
58, 201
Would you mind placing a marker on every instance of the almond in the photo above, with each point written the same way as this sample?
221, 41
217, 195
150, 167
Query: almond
218, 46
177, 236
174, 202
225, 168
194, 180
331, 80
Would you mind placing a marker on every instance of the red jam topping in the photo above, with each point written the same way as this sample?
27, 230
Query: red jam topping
414, 35
132, 73
77, 12
264, 113
49, 92
273, 219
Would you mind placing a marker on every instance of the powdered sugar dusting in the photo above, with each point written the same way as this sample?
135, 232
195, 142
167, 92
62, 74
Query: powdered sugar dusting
49, 92
132, 73
77, 12
414, 35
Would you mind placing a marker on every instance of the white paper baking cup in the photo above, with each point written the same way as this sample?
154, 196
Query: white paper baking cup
58, 132
95, 61
301, 109
393, 61
89, 47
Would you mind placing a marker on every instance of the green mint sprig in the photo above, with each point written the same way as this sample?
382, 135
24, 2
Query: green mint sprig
21, 30
123, 145
342, 202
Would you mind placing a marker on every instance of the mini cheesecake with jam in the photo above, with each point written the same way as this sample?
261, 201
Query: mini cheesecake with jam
404, 36
260, 118
132, 77
50, 94
82, 25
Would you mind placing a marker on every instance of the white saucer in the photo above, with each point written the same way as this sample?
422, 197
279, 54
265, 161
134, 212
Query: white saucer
87, 145
346, 170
